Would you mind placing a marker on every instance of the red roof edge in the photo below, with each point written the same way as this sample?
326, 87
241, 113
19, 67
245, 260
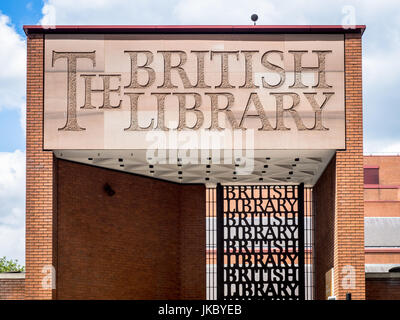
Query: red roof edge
29, 29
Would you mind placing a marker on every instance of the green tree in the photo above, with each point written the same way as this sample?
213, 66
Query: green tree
10, 265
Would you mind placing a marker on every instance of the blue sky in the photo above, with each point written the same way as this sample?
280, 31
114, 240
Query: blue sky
381, 67
22, 12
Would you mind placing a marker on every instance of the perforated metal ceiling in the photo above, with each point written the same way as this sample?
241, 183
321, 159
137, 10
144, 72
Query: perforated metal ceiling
265, 167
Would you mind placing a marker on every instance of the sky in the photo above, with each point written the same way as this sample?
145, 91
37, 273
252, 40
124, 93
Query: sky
381, 67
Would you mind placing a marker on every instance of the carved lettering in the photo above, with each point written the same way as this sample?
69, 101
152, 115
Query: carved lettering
134, 125
255, 100
225, 66
161, 110
291, 110
183, 109
249, 82
215, 110
151, 76
167, 55
72, 57
318, 108
200, 69
88, 91
223, 106
298, 68
107, 90
273, 67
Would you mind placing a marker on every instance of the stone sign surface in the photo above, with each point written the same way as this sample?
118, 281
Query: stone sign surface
284, 91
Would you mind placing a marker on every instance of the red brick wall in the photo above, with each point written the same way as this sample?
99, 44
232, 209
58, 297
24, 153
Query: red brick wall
324, 202
382, 289
12, 289
389, 168
349, 219
193, 242
39, 178
145, 242
41, 250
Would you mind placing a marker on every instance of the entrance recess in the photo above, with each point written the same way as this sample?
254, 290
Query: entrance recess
260, 242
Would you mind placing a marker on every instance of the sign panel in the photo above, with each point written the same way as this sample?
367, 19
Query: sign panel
329, 284
281, 91
260, 242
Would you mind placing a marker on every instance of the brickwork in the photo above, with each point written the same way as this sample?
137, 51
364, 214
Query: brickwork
324, 202
94, 243
349, 217
382, 256
39, 178
389, 173
193, 242
12, 289
147, 241
382, 200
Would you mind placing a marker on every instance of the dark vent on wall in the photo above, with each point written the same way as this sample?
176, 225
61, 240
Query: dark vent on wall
371, 175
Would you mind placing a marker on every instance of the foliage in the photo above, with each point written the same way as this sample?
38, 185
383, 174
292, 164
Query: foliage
10, 265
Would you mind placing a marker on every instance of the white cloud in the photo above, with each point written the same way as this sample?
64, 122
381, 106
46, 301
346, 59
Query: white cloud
12, 205
107, 12
13, 68
392, 148
218, 12
229, 12
382, 146
13, 243
12, 164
